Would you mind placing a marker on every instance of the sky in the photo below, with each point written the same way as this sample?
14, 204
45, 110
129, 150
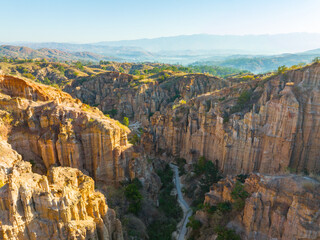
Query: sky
89, 21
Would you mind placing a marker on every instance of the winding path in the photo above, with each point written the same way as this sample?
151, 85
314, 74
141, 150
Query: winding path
187, 212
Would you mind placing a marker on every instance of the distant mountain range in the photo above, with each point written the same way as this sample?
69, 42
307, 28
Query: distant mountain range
120, 53
48, 53
251, 44
249, 52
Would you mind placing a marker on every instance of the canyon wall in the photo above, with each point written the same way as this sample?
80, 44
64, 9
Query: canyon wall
280, 131
276, 131
138, 100
62, 205
282, 207
52, 128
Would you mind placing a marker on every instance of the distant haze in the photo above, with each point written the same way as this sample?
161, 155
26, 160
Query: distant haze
257, 44
197, 44
256, 53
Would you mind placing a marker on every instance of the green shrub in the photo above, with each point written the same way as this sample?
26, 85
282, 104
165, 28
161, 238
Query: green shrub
226, 234
137, 182
79, 65
134, 197
46, 81
242, 102
193, 223
239, 195
211, 175
210, 209
291, 170
126, 121
162, 229
112, 112
242, 177
134, 140
29, 75
172, 213
136, 72
208, 174
225, 118
214, 70
33, 163
104, 62
282, 69
238, 191
168, 204
199, 167
61, 69
224, 207
244, 97
142, 77
181, 162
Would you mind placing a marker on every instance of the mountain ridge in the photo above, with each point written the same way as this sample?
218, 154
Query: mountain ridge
49, 53
273, 43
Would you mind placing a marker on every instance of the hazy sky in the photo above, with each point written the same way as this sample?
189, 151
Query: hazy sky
85, 21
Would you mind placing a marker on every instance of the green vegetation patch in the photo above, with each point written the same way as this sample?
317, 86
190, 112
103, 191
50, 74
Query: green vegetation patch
125, 121
226, 234
219, 71
239, 195
163, 228
134, 196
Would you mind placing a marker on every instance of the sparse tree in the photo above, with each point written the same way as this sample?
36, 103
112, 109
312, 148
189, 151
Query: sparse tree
316, 60
282, 69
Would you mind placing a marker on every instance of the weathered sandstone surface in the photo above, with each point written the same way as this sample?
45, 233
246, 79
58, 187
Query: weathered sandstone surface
51, 128
278, 207
280, 131
277, 130
138, 100
62, 205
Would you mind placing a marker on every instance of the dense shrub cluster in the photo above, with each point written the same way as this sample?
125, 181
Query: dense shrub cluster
239, 195
134, 196
181, 162
226, 234
163, 228
243, 102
